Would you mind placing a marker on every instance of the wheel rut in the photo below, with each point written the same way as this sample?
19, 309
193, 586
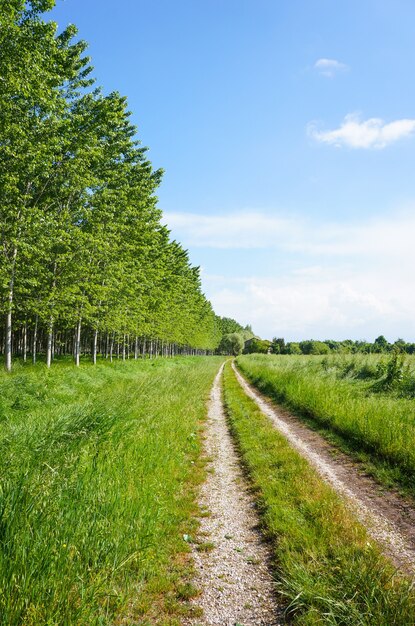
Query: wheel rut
231, 560
389, 519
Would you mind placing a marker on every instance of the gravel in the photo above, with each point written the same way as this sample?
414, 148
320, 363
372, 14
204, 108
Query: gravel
231, 560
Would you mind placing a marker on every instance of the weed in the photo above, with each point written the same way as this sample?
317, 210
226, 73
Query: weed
327, 570
98, 474
350, 407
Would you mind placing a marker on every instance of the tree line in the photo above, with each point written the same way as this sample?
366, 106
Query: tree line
348, 346
87, 266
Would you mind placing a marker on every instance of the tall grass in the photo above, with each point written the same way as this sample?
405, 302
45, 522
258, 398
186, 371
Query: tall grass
336, 394
327, 569
97, 468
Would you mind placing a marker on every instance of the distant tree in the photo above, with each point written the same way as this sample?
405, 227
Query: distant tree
335, 346
292, 348
381, 344
400, 345
278, 345
232, 343
314, 347
230, 325
260, 346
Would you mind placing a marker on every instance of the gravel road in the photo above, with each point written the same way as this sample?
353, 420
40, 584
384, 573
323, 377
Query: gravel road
233, 574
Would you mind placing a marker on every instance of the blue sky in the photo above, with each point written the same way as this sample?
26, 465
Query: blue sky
287, 135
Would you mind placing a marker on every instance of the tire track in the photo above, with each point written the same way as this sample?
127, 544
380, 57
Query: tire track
236, 585
389, 519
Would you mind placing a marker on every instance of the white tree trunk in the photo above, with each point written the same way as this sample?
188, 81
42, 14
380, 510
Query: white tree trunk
111, 347
34, 341
8, 338
49, 343
78, 342
94, 347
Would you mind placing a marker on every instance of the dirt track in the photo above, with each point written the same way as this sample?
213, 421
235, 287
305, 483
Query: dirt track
390, 520
236, 583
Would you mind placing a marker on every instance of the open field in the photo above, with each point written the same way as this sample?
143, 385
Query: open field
98, 468
363, 403
327, 569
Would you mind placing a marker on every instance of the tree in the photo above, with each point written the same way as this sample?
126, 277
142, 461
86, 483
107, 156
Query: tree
261, 346
380, 344
232, 344
278, 345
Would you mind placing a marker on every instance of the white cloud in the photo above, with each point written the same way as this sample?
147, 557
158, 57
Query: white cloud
330, 67
322, 279
372, 133
332, 303
237, 230
383, 236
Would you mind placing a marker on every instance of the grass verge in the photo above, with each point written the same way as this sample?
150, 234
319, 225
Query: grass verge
98, 470
327, 569
377, 429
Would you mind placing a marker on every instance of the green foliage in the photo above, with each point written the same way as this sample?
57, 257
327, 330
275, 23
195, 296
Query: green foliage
347, 346
314, 347
258, 346
327, 569
292, 348
98, 467
231, 344
82, 243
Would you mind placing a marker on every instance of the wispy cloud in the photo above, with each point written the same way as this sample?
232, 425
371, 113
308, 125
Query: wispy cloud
323, 279
235, 230
386, 236
330, 67
355, 133
320, 302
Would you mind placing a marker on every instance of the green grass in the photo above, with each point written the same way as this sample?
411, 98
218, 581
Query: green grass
327, 569
341, 395
98, 469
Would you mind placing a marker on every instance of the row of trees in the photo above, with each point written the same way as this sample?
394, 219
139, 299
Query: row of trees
86, 265
310, 346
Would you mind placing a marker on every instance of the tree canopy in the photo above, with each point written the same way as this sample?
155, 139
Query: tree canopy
87, 265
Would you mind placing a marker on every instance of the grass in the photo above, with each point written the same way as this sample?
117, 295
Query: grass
98, 469
353, 401
327, 569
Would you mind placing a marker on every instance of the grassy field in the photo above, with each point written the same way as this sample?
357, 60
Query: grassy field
98, 470
365, 404
327, 569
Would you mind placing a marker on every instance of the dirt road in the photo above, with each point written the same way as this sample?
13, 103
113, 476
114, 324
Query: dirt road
232, 561
390, 520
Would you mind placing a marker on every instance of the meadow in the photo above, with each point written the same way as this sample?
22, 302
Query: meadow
327, 569
98, 471
363, 403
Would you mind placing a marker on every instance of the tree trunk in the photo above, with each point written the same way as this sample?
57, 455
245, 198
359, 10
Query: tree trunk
34, 341
25, 342
8, 339
49, 343
111, 347
94, 347
78, 342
